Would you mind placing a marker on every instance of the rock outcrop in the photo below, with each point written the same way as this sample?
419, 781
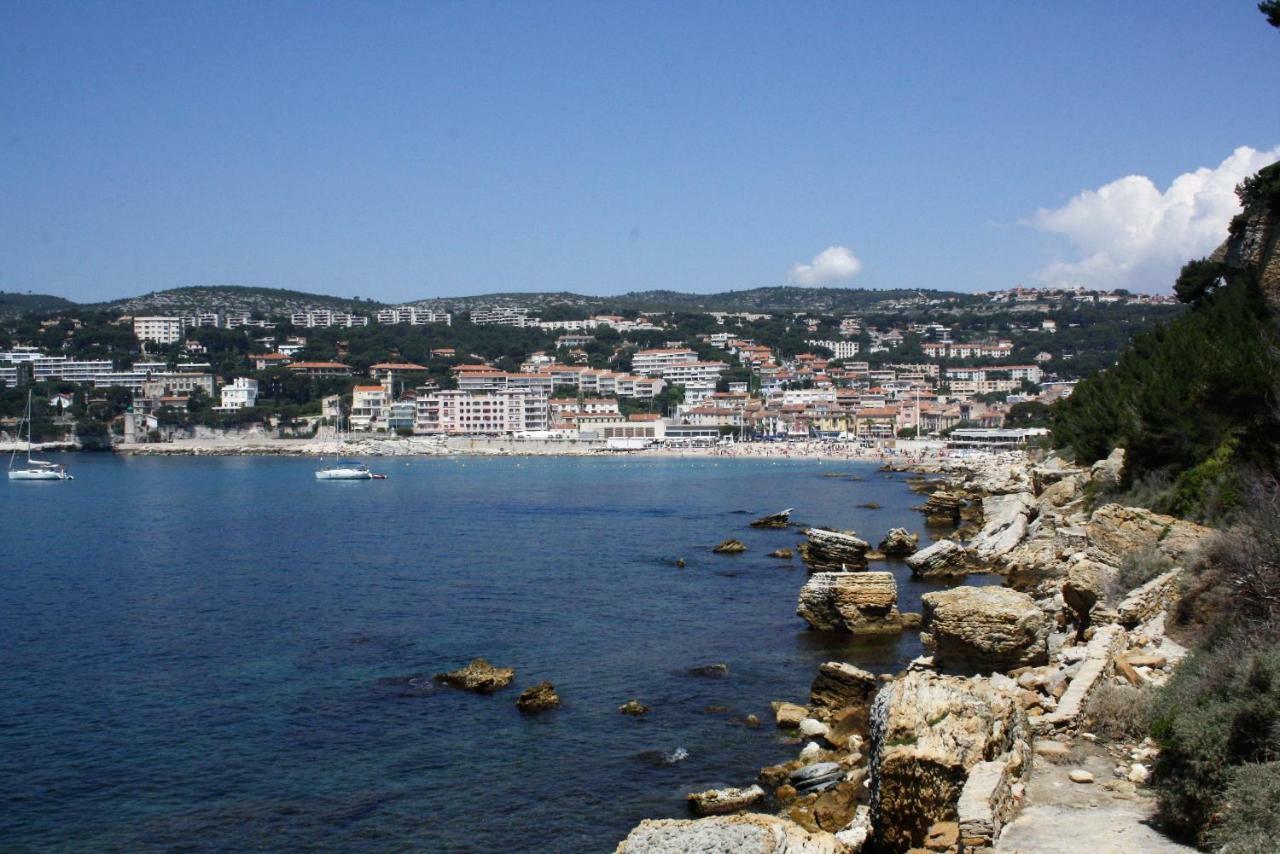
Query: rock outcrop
927, 732
730, 547
833, 551
781, 519
724, 801
899, 542
943, 507
1115, 531
857, 602
1106, 473
479, 676
839, 685
943, 559
751, 833
538, 698
1005, 520
984, 629
1150, 599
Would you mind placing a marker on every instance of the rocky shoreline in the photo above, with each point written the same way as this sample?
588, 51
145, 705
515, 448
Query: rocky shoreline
941, 756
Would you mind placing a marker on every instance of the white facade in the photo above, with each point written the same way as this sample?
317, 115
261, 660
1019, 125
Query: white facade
657, 361
481, 413
159, 330
841, 349
413, 315
240, 394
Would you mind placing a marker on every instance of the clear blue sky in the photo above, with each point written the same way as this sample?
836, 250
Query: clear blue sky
409, 150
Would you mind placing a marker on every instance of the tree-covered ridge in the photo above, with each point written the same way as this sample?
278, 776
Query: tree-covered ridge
234, 298
1196, 403
16, 305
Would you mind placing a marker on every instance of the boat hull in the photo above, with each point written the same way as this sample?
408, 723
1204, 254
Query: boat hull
344, 474
27, 474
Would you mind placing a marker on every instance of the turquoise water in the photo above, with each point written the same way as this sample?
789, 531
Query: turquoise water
209, 654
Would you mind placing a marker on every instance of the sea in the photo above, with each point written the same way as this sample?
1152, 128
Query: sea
224, 654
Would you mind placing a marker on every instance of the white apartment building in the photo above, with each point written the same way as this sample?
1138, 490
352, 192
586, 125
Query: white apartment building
369, 407
205, 319
322, 318
159, 330
487, 413
841, 349
240, 394
502, 317
657, 361
693, 372
413, 315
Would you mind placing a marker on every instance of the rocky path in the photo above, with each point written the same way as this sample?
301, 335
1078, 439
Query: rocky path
1064, 817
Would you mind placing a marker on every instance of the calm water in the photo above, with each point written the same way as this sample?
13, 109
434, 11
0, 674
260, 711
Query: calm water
196, 652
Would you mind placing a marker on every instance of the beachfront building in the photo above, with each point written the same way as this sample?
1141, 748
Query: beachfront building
158, 330
481, 413
241, 393
369, 405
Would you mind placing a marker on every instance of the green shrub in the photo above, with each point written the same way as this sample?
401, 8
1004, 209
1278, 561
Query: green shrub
1251, 817
1215, 716
1118, 712
1137, 569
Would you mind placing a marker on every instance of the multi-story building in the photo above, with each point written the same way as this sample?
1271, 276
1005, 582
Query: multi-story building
413, 315
502, 317
369, 407
840, 349
159, 330
240, 394
653, 362
321, 369
489, 413
320, 318
203, 319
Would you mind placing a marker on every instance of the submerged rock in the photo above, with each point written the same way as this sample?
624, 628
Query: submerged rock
857, 602
710, 670
981, 629
479, 676
781, 519
730, 547
784, 554
751, 833
833, 551
635, 708
722, 801
899, 542
538, 698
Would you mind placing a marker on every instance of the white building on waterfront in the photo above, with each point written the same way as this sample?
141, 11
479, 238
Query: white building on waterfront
481, 413
240, 394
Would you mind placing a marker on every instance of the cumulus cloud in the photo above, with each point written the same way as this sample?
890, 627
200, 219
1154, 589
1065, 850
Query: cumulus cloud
833, 264
1129, 234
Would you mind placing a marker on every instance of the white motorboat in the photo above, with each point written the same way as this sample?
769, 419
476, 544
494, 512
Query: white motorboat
34, 469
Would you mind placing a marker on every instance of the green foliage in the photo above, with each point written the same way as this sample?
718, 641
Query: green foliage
1029, 413
1250, 820
1215, 716
1198, 279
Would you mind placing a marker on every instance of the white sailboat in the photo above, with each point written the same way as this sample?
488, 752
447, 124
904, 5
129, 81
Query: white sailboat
342, 469
34, 469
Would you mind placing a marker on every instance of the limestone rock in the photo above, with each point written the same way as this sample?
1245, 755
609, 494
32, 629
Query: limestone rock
833, 551
943, 507
538, 698
927, 732
899, 542
857, 602
479, 676
781, 519
722, 801
981, 629
1079, 775
784, 554
1107, 473
635, 708
817, 777
751, 833
839, 685
789, 714
1115, 531
1061, 493
730, 547
943, 559
1148, 600
1005, 520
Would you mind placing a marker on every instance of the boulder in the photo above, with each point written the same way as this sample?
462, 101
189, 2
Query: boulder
781, 519
479, 676
784, 554
722, 801
789, 714
1061, 493
1005, 520
1084, 587
751, 833
1115, 531
833, 551
927, 732
857, 602
538, 698
730, 547
899, 542
943, 507
839, 685
984, 629
1106, 473
817, 777
635, 708
943, 559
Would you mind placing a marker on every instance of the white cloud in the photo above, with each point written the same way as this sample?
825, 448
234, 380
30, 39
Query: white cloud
1129, 234
833, 264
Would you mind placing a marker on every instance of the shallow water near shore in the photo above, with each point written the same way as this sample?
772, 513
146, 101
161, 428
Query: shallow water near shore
214, 654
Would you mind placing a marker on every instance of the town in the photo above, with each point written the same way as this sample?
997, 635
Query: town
906, 367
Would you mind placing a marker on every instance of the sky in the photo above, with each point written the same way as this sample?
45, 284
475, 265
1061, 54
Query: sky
404, 151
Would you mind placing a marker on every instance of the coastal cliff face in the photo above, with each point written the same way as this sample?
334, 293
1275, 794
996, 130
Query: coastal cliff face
1251, 247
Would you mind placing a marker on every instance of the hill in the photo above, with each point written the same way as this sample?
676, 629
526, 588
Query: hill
230, 299
16, 305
